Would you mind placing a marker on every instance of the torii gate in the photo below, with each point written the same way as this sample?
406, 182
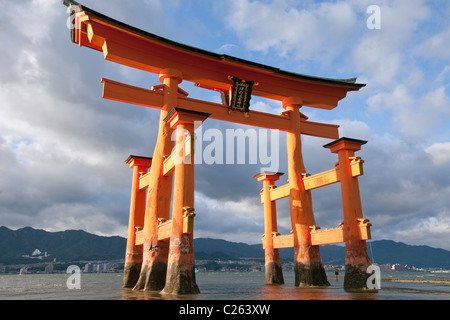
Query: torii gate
160, 253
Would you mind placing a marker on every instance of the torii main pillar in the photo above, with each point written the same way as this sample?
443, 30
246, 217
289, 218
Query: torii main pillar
155, 253
308, 267
133, 257
356, 259
273, 270
180, 277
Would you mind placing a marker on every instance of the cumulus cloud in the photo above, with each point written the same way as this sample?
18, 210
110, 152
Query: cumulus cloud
239, 220
414, 117
439, 153
429, 231
435, 46
61, 146
27, 17
288, 30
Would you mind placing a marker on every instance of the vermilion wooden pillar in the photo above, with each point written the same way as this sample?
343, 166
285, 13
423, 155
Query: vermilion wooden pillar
274, 273
308, 267
133, 257
154, 265
356, 258
180, 277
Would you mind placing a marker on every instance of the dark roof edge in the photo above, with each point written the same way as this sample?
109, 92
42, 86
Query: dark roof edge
346, 82
137, 157
344, 139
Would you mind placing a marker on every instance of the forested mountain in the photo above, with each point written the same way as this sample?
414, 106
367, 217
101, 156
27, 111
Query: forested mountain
19, 246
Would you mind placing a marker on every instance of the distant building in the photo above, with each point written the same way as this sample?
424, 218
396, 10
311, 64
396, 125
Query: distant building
37, 254
49, 268
399, 267
88, 267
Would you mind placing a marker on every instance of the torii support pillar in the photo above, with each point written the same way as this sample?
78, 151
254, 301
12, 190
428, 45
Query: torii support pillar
180, 277
308, 266
356, 258
274, 273
133, 257
154, 265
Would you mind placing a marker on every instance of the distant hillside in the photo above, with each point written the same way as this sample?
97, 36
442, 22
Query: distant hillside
74, 245
387, 251
70, 245
384, 252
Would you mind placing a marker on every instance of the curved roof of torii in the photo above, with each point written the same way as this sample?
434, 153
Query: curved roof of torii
130, 46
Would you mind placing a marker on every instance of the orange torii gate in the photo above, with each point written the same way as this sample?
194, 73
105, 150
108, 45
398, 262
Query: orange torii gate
160, 253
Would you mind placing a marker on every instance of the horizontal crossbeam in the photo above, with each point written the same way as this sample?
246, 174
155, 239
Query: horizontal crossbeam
117, 91
168, 165
139, 237
325, 236
317, 180
165, 229
144, 181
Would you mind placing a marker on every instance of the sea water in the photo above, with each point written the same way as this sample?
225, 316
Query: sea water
223, 286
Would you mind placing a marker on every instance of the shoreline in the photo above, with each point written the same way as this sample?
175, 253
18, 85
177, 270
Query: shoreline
435, 281
430, 281
447, 282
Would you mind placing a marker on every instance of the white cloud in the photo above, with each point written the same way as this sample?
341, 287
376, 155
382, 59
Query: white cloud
61, 146
435, 46
376, 60
354, 129
234, 220
431, 231
278, 26
414, 117
78, 216
28, 67
32, 18
439, 153
226, 48
382, 55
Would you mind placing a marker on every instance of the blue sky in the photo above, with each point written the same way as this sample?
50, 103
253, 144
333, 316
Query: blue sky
62, 147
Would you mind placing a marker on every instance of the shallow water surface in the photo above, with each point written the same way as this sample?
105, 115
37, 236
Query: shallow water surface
216, 286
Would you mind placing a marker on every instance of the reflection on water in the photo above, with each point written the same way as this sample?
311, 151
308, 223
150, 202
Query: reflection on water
294, 293
250, 286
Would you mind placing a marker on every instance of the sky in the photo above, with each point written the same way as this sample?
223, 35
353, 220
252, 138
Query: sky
63, 147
